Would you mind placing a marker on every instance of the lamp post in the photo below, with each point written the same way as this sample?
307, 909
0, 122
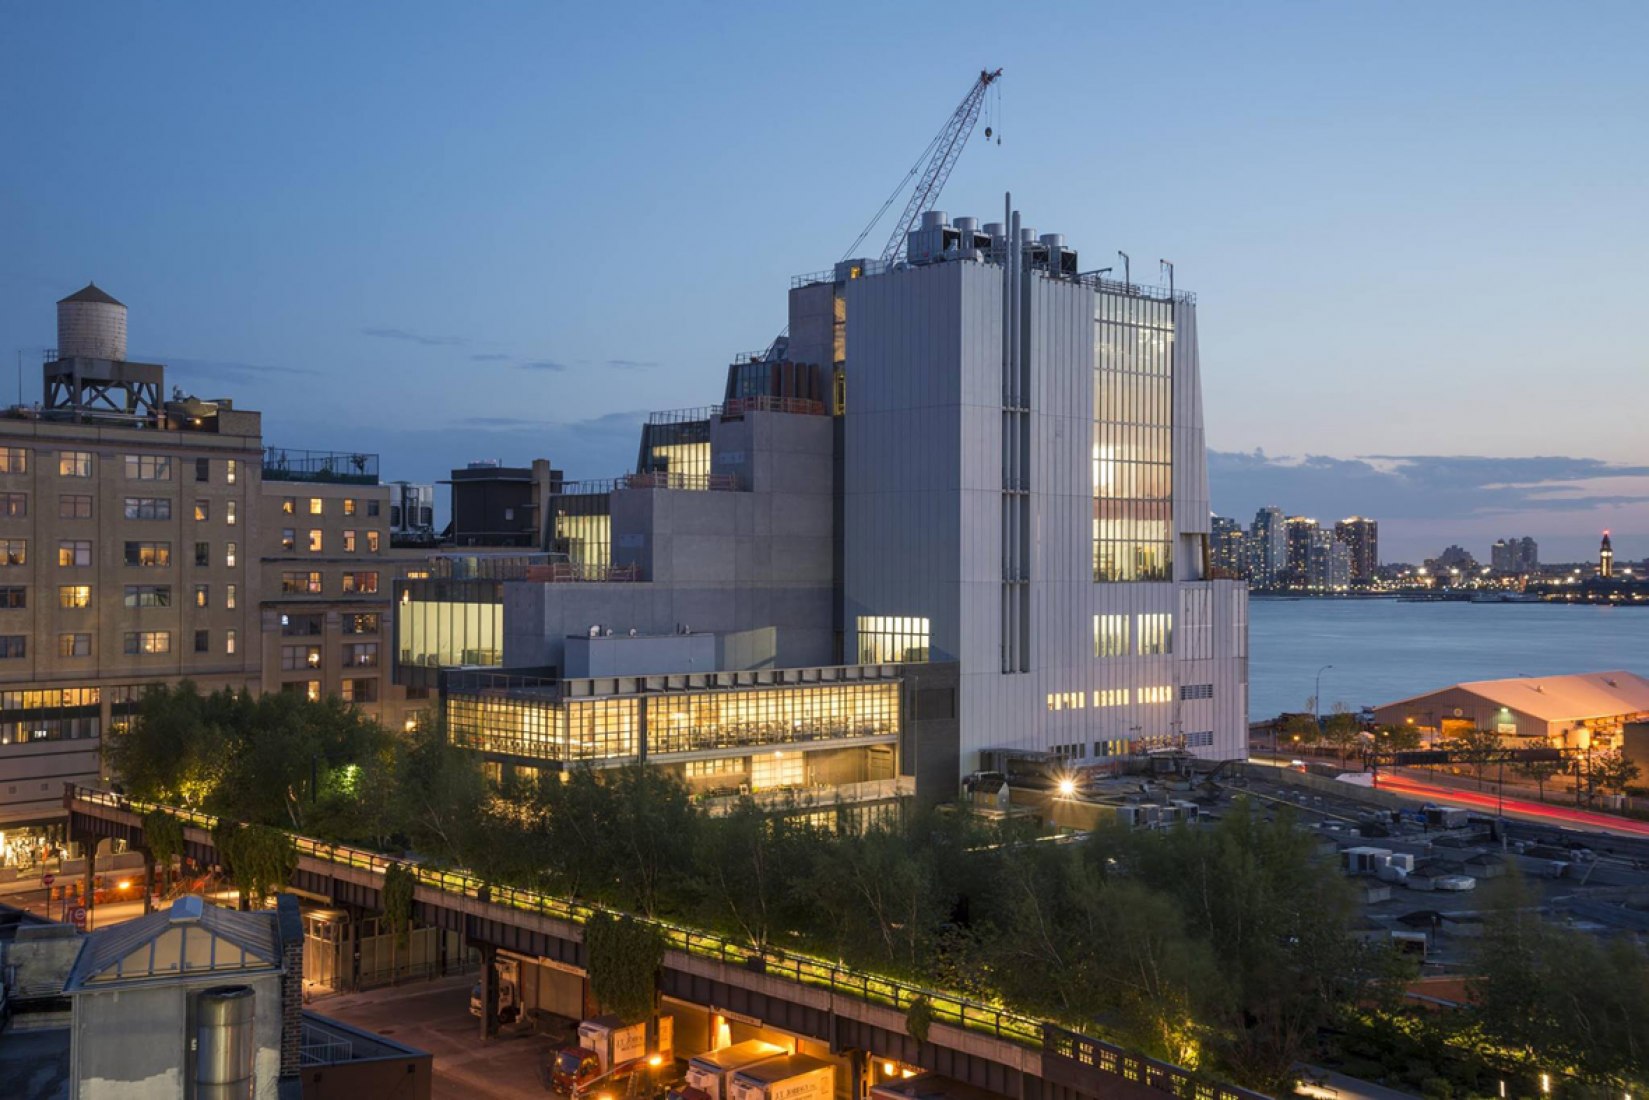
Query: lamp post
1317, 697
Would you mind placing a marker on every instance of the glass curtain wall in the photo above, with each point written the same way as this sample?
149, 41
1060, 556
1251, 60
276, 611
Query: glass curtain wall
1133, 449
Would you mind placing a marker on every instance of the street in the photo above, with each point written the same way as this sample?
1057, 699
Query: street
434, 1016
1542, 813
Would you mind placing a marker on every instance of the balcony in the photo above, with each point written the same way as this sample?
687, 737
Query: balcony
333, 467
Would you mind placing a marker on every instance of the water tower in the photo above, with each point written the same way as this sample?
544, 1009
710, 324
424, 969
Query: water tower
89, 377
91, 325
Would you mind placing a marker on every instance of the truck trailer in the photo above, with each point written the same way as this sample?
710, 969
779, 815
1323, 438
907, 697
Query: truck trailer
711, 1071
792, 1077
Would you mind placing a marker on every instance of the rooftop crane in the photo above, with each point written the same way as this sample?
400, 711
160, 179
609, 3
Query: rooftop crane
931, 169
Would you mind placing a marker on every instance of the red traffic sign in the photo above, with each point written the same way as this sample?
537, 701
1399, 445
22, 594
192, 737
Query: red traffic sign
77, 916
47, 879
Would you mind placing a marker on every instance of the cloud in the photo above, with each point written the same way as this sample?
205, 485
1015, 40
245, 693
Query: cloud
414, 337
489, 357
630, 364
542, 364
225, 369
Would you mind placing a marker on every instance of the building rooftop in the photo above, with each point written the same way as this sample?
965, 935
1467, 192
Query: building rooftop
90, 293
191, 936
1558, 698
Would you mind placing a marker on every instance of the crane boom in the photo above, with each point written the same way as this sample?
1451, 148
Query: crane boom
945, 150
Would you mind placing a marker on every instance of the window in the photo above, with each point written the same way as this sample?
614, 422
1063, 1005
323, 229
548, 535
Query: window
1196, 622
148, 595
147, 641
1110, 635
74, 595
14, 646
349, 506
203, 641
203, 511
148, 508
203, 469
1111, 697
317, 506
74, 464
1067, 700
148, 554
149, 467
289, 505
14, 460
13, 597
203, 595
301, 584
203, 554
314, 542
74, 552
229, 642
16, 552
296, 657
1132, 438
361, 655
229, 596
229, 516
360, 691
302, 626
372, 542
885, 639
1156, 634
230, 553
74, 645
1163, 694
289, 538
361, 582
371, 507
309, 689
74, 506
364, 623
349, 542
1196, 691
14, 504
232, 471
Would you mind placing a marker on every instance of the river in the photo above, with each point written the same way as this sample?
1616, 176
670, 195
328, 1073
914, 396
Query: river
1383, 650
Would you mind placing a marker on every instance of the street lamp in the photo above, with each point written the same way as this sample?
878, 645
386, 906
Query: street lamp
1317, 697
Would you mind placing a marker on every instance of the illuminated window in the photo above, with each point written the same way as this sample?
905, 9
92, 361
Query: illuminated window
316, 506
301, 584
146, 554
364, 623
314, 541
372, 542
229, 516
229, 597
1111, 697
1110, 635
74, 645
203, 595
289, 506
349, 506
361, 582
296, 657
777, 769
289, 538
1068, 700
14, 460
74, 595
229, 642
361, 655
232, 471
230, 551
147, 641
74, 464
1133, 423
1162, 694
1156, 634
203, 511
892, 639
16, 552
349, 542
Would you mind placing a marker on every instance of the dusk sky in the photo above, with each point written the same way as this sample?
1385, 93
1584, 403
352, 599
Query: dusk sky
451, 232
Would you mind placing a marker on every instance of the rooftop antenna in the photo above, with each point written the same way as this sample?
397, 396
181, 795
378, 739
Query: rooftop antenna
1126, 277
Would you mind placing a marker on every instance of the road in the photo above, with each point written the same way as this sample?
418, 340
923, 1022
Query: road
434, 1016
1543, 813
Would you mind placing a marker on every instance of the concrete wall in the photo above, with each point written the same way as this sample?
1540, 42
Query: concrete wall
622, 655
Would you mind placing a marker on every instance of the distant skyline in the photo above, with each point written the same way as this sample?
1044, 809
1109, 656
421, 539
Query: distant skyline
1414, 230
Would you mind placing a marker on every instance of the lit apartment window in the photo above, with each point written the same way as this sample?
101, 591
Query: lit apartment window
1111, 697
229, 597
229, 642
146, 554
203, 511
14, 504
148, 595
16, 552
203, 469
13, 597
289, 506
301, 584
314, 541
74, 552
74, 645
14, 460
74, 506
316, 506
1162, 694
74, 595
230, 552
1156, 634
149, 467
232, 471
203, 595
74, 464
148, 508
147, 641
203, 554
203, 641
14, 646
312, 690
1110, 635
361, 655
289, 538
364, 623
349, 506
372, 542
1067, 700
885, 639
349, 542
361, 582
360, 691
229, 516
296, 657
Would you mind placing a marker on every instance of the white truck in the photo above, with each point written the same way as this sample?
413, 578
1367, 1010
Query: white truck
612, 1040
711, 1071
793, 1077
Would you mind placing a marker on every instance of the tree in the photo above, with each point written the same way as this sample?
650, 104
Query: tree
1300, 730
1342, 730
1476, 748
169, 751
651, 827
163, 837
1397, 738
396, 901
259, 859
623, 956
441, 795
1610, 770
1541, 771
752, 866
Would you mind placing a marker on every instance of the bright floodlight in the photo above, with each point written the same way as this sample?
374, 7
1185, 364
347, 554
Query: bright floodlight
1067, 787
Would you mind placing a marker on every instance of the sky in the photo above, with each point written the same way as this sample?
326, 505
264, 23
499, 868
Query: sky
506, 231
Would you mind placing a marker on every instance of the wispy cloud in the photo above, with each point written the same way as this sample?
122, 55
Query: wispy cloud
542, 364
422, 339
225, 369
630, 364
489, 357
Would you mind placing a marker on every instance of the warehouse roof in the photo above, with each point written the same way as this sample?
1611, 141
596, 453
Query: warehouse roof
1559, 698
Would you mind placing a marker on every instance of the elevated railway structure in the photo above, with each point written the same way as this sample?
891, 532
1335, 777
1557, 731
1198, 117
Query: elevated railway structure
853, 1012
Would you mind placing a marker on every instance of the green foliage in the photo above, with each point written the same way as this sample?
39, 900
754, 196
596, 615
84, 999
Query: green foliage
1299, 729
163, 836
1475, 747
1397, 738
396, 900
1610, 770
1541, 772
918, 1018
259, 859
623, 958
1342, 731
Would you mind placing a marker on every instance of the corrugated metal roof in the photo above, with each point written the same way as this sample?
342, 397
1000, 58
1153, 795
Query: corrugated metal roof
192, 937
1577, 697
90, 293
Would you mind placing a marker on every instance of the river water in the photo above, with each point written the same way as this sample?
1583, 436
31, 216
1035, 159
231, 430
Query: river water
1383, 650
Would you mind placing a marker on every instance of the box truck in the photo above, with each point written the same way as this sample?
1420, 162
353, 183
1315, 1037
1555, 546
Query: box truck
792, 1077
603, 1042
711, 1071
